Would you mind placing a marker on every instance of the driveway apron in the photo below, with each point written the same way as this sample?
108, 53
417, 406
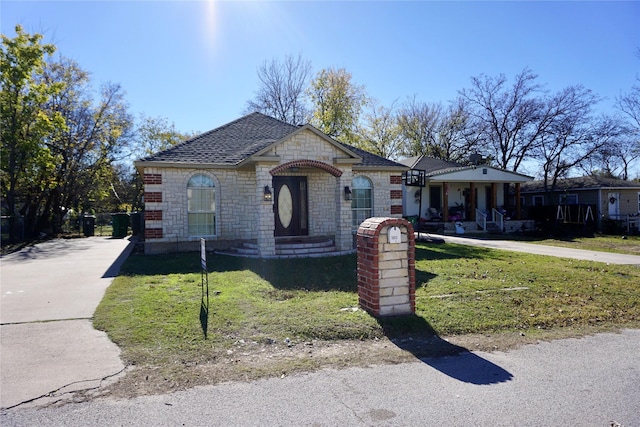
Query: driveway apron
531, 248
49, 293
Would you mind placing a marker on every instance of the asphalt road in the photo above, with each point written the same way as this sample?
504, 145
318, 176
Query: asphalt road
592, 381
49, 292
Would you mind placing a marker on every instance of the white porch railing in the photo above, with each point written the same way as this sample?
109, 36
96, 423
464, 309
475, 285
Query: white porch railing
498, 219
633, 221
481, 219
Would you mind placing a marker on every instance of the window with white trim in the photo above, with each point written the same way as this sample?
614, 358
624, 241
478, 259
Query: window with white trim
568, 199
361, 200
201, 206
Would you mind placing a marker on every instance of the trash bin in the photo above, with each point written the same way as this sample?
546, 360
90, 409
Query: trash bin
137, 220
88, 225
120, 224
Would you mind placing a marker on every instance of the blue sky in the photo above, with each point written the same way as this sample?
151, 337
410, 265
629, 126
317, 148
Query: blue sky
194, 62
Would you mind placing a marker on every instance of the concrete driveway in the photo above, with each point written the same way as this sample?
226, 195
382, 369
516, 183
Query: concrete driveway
531, 248
49, 293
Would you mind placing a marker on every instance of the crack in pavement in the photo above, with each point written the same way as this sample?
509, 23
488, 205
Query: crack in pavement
53, 392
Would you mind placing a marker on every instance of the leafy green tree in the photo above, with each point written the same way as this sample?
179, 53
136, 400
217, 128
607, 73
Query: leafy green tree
24, 125
152, 134
97, 134
380, 133
155, 134
337, 103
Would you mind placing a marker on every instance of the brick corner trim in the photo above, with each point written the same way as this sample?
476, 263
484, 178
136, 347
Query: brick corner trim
395, 179
152, 196
153, 233
152, 178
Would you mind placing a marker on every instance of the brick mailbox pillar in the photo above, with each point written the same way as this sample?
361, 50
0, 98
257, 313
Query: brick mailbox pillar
386, 267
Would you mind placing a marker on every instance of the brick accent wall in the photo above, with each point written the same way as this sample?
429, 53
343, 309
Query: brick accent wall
396, 194
153, 233
153, 215
386, 271
152, 178
396, 209
395, 179
153, 197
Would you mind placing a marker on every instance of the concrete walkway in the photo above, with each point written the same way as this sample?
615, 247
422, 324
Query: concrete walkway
531, 248
48, 295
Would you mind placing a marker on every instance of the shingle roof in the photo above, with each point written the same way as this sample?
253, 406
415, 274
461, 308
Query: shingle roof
580, 183
230, 144
370, 159
431, 165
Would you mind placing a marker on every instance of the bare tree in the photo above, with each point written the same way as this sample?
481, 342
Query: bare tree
435, 131
616, 156
282, 90
458, 136
508, 117
629, 104
571, 135
419, 123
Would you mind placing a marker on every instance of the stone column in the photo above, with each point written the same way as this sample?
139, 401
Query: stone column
343, 237
265, 221
386, 266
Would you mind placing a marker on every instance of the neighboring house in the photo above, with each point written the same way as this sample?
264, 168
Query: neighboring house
437, 191
610, 198
259, 181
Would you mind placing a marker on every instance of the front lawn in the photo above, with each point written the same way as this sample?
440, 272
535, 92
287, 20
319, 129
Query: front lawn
152, 309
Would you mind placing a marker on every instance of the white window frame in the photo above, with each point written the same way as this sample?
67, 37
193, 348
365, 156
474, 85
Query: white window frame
361, 191
569, 199
201, 214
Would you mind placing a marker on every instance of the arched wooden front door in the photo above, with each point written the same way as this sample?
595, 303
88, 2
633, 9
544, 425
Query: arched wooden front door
291, 206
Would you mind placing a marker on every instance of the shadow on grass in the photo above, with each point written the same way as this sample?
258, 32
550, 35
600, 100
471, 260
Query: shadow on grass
415, 335
312, 274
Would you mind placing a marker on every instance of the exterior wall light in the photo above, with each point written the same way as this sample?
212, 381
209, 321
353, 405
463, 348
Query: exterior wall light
267, 194
347, 193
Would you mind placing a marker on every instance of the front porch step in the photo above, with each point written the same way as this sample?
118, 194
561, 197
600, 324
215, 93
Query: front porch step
291, 248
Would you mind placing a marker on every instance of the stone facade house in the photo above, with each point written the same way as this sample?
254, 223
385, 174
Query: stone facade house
257, 183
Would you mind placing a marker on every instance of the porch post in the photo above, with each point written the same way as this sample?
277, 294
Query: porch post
445, 201
472, 200
265, 220
518, 205
494, 195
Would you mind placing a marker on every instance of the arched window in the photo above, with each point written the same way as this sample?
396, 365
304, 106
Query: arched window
361, 201
201, 206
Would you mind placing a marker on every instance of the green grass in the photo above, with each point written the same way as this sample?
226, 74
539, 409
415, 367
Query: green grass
151, 310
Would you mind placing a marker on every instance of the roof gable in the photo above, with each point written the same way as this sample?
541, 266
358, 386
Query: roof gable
229, 144
442, 170
235, 143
